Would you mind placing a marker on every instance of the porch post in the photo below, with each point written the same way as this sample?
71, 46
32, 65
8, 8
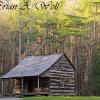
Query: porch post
15, 87
38, 83
22, 85
2, 86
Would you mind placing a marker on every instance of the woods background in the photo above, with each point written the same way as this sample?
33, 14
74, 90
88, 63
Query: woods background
73, 29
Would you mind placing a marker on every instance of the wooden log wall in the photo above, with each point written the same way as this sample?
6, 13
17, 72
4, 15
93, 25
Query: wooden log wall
62, 78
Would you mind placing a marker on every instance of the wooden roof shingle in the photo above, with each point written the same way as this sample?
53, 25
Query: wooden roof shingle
32, 66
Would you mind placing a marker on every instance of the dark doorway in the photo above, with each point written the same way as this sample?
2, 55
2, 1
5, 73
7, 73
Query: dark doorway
30, 85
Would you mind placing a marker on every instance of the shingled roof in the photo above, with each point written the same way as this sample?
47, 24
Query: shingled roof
33, 66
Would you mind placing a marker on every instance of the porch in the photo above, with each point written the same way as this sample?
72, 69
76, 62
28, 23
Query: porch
31, 86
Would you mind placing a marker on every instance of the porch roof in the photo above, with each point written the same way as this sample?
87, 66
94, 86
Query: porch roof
32, 66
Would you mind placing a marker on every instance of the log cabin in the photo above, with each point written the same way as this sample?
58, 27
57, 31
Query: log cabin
43, 75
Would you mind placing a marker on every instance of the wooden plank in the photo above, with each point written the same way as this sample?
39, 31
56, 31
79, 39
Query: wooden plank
38, 83
60, 94
64, 88
22, 85
62, 91
14, 86
2, 86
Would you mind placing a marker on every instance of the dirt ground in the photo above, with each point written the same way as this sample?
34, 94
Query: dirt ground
10, 99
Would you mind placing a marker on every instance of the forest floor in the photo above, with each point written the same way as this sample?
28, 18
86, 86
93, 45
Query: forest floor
61, 98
